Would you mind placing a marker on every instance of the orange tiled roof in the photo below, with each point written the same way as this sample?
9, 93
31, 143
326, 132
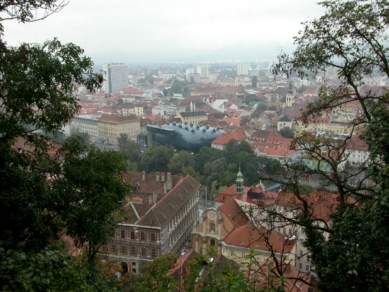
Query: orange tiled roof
226, 138
260, 239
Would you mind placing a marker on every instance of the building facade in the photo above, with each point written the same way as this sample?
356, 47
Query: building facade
110, 128
85, 124
161, 214
192, 117
242, 69
115, 76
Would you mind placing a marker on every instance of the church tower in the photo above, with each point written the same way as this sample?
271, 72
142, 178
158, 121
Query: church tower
239, 183
289, 96
274, 83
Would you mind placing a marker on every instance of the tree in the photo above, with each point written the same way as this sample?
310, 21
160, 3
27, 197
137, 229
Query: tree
84, 136
179, 161
130, 149
88, 194
351, 37
206, 154
156, 158
51, 269
155, 275
287, 132
46, 191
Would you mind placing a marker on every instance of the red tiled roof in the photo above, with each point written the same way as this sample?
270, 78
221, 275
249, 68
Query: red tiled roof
259, 239
226, 138
161, 212
321, 204
355, 143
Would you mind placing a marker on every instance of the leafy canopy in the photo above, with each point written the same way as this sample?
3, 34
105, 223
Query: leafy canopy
350, 38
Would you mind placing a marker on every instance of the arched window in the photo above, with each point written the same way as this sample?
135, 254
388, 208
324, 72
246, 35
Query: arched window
212, 242
212, 226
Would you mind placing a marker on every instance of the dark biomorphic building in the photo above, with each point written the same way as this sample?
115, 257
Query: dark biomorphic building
182, 136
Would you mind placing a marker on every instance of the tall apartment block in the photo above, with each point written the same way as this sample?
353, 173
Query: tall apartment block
203, 70
115, 76
242, 68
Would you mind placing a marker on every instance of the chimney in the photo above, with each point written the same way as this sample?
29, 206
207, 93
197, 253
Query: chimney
162, 176
157, 176
143, 175
169, 183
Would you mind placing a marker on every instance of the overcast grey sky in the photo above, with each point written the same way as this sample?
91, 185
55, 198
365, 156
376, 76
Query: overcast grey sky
172, 30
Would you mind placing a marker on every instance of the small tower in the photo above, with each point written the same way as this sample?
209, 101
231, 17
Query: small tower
289, 96
239, 182
274, 83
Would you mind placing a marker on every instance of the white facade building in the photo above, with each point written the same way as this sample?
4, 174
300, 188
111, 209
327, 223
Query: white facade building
115, 77
203, 71
242, 69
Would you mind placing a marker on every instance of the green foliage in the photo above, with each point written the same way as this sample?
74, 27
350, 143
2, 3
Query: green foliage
259, 110
179, 161
351, 37
130, 150
210, 275
250, 98
206, 154
30, 91
148, 79
180, 87
155, 276
89, 191
46, 190
223, 165
156, 158
84, 136
242, 146
50, 269
287, 132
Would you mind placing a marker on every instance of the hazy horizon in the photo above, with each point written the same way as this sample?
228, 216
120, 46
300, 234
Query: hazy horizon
172, 31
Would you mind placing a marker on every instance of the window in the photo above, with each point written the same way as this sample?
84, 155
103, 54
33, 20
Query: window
133, 250
114, 248
212, 226
105, 248
152, 237
153, 253
122, 233
243, 255
308, 258
143, 251
124, 249
132, 235
142, 236
307, 268
212, 242
232, 253
301, 253
300, 266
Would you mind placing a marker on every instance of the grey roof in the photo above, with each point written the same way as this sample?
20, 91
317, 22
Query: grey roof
192, 114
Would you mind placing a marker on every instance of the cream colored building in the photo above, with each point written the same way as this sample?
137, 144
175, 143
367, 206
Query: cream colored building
85, 124
127, 110
110, 128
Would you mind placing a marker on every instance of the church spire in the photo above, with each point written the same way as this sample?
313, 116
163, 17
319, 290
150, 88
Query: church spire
239, 182
290, 96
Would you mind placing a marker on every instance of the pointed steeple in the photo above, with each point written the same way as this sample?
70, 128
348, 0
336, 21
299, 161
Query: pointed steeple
290, 96
239, 182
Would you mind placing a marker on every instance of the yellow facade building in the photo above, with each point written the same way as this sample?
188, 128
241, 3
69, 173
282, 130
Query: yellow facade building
193, 117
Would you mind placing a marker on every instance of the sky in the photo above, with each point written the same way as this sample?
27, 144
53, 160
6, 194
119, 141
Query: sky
172, 30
